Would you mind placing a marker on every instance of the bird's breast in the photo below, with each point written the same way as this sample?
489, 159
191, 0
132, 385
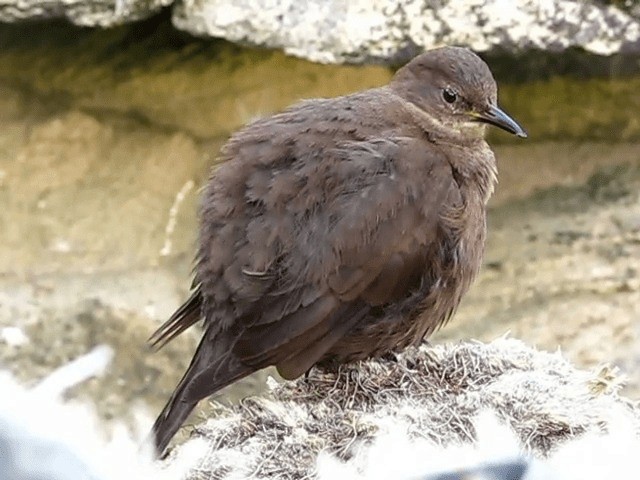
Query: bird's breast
446, 270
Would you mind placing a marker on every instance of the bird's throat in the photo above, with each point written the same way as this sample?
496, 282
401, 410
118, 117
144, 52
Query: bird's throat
449, 132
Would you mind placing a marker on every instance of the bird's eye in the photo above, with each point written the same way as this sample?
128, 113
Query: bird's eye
449, 95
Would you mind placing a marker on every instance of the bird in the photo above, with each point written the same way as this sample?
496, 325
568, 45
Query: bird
340, 229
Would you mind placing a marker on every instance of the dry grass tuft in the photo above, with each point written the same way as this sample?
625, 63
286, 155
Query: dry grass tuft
436, 391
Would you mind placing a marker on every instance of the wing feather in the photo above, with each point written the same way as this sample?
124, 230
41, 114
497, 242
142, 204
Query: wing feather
187, 315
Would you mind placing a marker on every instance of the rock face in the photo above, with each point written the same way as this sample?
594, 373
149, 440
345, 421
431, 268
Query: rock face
358, 31
392, 30
87, 13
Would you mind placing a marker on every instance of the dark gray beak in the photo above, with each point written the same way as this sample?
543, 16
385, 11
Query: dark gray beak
495, 116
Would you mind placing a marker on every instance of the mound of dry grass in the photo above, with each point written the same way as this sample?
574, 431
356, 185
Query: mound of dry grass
435, 392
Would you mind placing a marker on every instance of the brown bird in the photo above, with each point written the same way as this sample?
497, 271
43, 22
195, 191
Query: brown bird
341, 228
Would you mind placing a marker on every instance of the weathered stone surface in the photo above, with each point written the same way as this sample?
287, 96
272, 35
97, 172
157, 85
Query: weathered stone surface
88, 13
336, 31
391, 30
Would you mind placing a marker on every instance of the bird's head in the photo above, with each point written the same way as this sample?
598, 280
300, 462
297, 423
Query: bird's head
455, 89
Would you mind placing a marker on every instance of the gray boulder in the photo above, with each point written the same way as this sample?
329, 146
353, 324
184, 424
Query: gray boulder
336, 31
88, 13
359, 31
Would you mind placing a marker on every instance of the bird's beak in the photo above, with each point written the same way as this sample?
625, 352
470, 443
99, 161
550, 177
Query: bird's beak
495, 116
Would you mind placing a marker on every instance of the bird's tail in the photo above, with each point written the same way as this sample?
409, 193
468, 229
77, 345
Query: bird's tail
170, 419
209, 371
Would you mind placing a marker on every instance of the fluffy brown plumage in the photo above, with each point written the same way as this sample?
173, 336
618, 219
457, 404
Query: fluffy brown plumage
341, 228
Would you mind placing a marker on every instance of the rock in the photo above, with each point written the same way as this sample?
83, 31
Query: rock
87, 13
361, 31
334, 31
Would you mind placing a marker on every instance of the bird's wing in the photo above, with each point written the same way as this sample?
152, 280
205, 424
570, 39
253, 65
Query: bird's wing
352, 232
187, 315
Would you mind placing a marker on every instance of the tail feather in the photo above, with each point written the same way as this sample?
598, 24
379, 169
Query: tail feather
168, 422
208, 372
187, 315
